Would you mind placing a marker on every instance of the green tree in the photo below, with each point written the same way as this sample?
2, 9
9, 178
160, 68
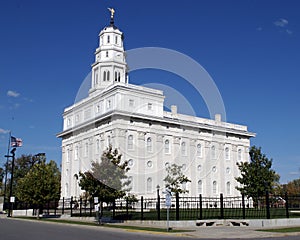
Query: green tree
175, 179
257, 175
293, 187
106, 180
40, 185
22, 165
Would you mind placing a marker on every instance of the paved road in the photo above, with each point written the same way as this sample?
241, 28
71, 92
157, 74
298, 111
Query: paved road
15, 229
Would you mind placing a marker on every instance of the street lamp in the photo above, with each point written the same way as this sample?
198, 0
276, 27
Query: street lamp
38, 158
39, 155
11, 179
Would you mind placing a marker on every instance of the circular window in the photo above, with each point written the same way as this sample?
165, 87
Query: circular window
149, 164
199, 168
130, 162
214, 168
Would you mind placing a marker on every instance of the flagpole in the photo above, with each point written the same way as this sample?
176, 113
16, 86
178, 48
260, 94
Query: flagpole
5, 182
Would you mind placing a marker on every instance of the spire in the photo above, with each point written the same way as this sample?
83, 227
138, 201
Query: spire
110, 65
112, 12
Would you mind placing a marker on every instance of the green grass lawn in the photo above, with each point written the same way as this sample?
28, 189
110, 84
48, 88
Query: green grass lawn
282, 230
150, 229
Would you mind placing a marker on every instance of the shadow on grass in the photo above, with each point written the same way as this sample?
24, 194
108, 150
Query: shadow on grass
126, 227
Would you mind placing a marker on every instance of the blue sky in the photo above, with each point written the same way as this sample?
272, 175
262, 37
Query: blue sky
251, 49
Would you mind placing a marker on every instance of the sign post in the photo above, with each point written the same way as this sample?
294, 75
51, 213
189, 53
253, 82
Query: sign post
96, 205
168, 205
12, 201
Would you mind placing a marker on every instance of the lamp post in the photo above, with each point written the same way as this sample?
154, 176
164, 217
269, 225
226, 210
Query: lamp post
158, 202
11, 180
38, 158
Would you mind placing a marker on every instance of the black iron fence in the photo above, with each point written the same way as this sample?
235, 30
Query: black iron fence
182, 208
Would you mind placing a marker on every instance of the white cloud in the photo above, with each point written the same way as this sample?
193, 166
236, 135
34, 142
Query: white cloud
11, 93
289, 31
3, 131
281, 22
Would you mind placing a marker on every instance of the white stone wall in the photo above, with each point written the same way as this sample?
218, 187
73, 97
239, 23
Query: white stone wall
149, 160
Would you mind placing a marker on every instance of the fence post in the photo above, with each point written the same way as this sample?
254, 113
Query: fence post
243, 206
127, 206
286, 205
63, 206
158, 206
200, 202
221, 206
91, 206
114, 208
80, 207
71, 206
55, 207
142, 210
177, 206
268, 204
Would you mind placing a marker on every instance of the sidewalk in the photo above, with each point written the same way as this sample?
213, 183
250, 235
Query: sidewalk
216, 232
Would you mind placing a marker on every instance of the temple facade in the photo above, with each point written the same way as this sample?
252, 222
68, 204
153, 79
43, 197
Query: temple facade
132, 119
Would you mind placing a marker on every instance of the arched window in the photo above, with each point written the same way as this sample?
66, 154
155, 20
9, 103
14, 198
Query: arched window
240, 155
108, 39
116, 40
149, 184
227, 153
200, 186
116, 76
104, 76
109, 141
183, 149
167, 146
199, 150
183, 185
96, 77
68, 155
119, 77
130, 142
130, 180
107, 75
76, 152
228, 188
67, 189
149, 144
214, 187
213, 152
86, 152
106, 53
97, 146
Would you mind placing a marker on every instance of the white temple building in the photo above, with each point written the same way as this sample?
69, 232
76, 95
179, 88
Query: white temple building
133, 120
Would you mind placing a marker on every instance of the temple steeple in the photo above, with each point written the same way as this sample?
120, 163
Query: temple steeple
110, 65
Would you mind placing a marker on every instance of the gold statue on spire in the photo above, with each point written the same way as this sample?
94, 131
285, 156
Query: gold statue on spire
112, 12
